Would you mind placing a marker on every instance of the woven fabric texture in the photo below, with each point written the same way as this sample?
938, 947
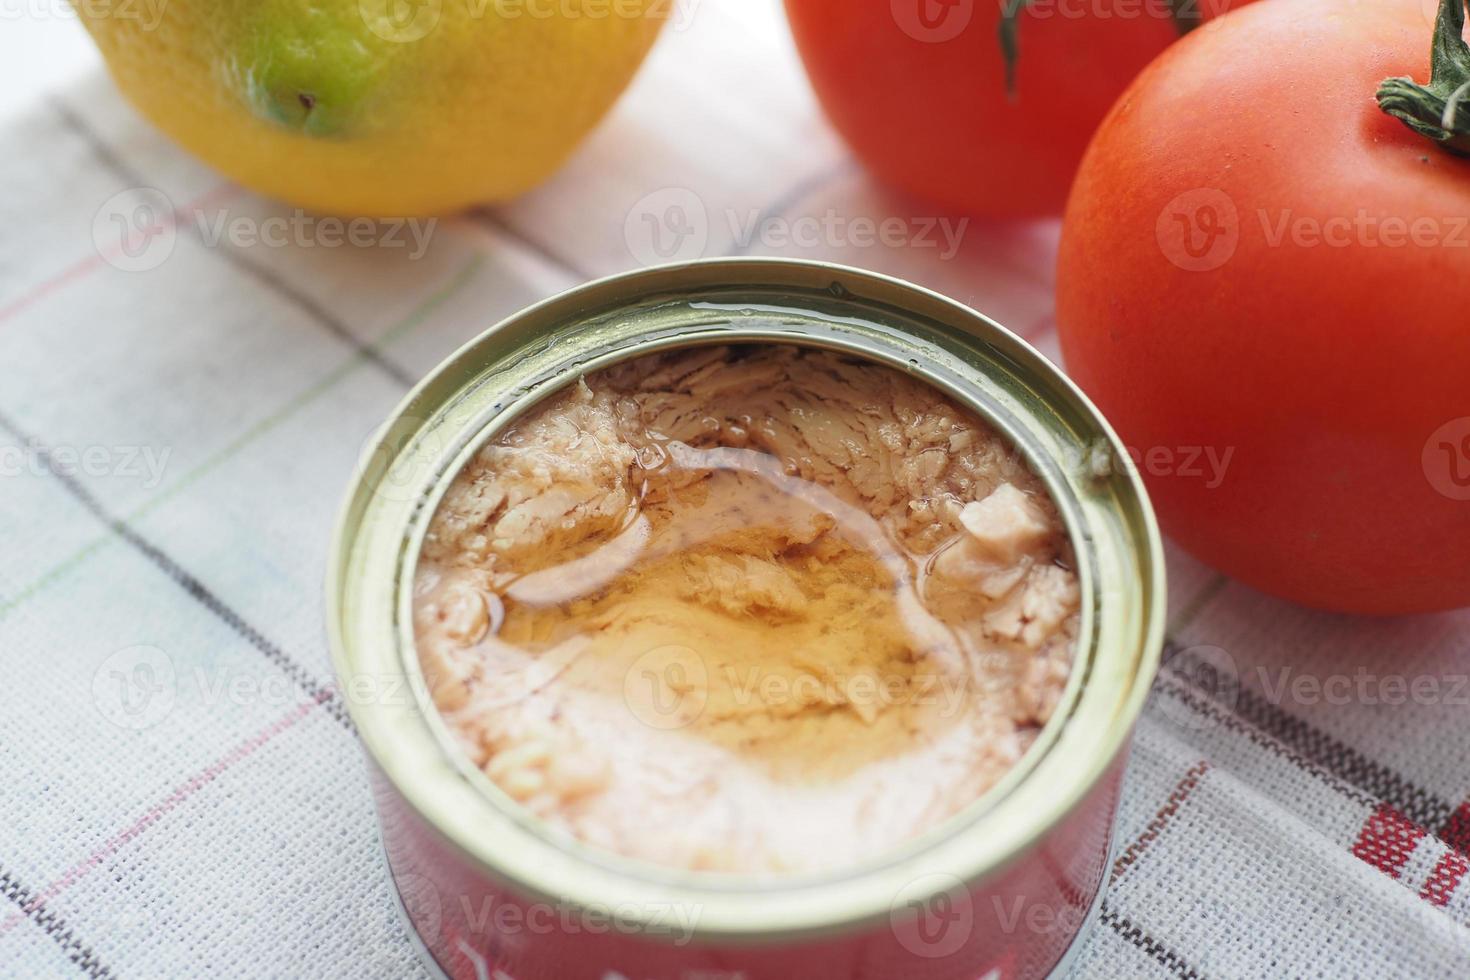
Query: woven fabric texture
179, 418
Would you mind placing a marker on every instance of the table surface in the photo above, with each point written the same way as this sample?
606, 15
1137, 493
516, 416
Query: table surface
1265, 829
42, 48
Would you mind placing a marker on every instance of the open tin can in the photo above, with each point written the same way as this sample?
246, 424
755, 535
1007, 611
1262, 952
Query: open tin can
1004, 889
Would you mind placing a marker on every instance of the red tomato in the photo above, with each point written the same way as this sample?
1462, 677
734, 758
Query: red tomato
918, 88
1257, 260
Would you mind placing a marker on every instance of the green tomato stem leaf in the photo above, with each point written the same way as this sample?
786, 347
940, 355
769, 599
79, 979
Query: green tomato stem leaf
1439, 110
1185, 14
1010, 48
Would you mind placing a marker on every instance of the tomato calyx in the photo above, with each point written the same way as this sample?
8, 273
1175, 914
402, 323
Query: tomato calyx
1010, 47
1439, 110
1186, 15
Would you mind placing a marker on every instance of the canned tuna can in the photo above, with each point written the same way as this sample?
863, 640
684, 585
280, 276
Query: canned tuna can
1004, 888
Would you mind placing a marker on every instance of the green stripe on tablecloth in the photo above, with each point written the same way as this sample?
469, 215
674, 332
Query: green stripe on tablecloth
396, 332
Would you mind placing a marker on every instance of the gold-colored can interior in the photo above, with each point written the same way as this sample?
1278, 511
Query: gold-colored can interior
496, 378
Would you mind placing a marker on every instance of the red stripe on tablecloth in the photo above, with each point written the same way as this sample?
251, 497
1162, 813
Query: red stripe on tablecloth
1451, 869
1444, 879
1387, 840
86, 266
78, 270
1456, 830
159, 810
1177, 798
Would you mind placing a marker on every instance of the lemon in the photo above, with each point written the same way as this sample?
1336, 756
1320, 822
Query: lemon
377, 107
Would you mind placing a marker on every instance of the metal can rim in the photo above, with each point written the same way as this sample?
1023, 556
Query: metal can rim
408, 741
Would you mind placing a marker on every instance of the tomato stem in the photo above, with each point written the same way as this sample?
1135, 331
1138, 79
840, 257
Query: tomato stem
1184, 13
1439, 109
1010, 49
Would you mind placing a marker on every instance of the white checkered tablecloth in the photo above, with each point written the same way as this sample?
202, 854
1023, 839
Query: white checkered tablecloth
184, 795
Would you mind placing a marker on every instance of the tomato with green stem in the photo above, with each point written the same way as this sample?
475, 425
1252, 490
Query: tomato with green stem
1260, 260
980, 106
